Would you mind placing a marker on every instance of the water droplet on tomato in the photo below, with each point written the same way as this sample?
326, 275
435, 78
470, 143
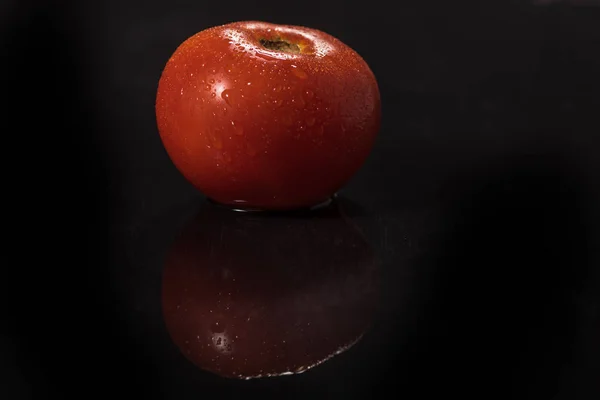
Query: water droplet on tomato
300, 73
207, 87
213, 94
226, 95
237, 128
211, 81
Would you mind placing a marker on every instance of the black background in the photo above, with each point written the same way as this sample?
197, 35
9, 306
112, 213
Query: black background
480, 198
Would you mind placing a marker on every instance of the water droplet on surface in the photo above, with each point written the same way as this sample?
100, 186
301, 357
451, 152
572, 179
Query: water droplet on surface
277, 102
211, 81
226, 95
277, 88
300, 73
237, 128
207, 87
181, 91
310, 121
212, 94
309, 94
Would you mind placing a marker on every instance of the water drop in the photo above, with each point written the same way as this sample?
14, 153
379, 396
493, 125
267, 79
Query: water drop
238, 129
226, 95
212, 94
300, 73
277, 102
309, 94
211, 81
207, 87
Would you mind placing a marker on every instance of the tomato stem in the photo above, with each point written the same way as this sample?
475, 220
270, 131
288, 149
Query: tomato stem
280, 45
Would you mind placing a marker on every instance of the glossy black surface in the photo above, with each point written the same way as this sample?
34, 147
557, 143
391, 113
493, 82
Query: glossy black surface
479, 205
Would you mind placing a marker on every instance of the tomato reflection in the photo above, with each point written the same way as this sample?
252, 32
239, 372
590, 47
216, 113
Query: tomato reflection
252, 295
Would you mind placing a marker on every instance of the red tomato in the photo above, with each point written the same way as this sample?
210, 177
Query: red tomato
264, 116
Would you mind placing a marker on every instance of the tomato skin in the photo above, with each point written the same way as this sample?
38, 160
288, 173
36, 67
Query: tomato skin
260, 128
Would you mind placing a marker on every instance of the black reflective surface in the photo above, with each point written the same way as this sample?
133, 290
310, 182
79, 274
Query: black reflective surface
464, 254
488, 289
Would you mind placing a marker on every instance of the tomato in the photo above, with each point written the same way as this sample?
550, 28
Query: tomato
264, 116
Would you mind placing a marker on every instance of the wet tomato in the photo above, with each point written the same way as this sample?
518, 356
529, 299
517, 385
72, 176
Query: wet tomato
263, 116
